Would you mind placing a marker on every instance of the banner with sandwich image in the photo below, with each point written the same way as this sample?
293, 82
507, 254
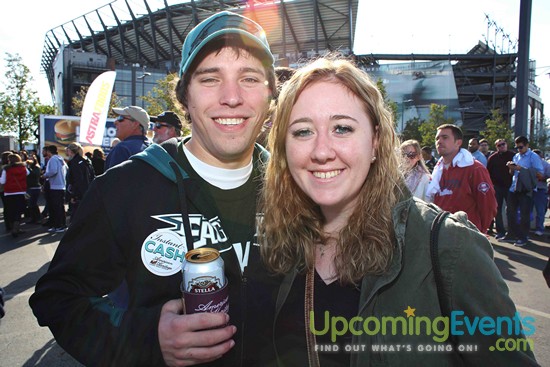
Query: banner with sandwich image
64, 130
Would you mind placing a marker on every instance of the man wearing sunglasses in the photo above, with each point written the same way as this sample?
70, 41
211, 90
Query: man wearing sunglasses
131, 126
167, 125
139, 219
524, 167
502, 180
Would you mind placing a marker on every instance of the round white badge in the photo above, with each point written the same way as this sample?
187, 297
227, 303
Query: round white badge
163, 252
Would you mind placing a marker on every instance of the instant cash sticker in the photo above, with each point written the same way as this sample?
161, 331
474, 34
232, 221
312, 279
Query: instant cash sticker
163, 252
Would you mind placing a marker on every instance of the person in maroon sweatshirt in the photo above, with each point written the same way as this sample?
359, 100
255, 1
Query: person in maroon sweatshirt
459, 182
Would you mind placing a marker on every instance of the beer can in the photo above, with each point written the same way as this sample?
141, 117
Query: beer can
204, 285
203, 271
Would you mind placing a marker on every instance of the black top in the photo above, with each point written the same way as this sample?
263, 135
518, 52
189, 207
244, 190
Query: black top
99, 166
496, 165
330, 300
79, 176
33, 178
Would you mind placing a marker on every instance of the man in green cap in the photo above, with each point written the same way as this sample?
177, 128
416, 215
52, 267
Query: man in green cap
139, 219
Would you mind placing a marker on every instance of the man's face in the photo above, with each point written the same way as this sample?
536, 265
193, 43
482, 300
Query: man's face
228, 98
473, 145
501, 146
126, 126
484, 147
446, 144
521, 147
163, 132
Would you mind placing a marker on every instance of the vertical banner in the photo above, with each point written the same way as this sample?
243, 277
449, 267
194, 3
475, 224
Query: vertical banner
96, 108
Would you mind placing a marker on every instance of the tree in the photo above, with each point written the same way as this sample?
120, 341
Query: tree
497, 128
544, 137
541, 138
19, 103
77, 102
436, 118
163, 98
412, 130
160, 98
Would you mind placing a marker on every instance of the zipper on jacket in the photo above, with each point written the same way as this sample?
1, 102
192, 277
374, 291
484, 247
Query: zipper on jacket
377, 339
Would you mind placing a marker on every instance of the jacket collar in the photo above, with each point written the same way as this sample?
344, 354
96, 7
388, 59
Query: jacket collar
371, 284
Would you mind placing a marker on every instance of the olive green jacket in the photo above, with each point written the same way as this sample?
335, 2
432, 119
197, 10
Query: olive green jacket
473, 285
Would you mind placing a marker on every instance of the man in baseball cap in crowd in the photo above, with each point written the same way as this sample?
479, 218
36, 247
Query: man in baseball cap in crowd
167, 125
131, 126
139, 219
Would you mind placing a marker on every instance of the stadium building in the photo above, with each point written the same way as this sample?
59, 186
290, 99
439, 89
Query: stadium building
142, 39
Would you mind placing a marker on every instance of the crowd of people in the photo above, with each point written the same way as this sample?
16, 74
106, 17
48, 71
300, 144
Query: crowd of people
63, 182
483, 183
335, 216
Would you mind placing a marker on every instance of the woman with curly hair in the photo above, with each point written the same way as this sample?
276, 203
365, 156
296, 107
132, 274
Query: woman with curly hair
353, 245
417, 175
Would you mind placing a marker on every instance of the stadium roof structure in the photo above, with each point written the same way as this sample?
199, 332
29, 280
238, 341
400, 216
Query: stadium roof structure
151, 32
484, 80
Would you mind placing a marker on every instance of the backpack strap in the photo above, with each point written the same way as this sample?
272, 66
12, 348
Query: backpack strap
183, 206
160, 159
163, 161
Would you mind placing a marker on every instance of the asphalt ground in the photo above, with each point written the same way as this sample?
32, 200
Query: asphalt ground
24, 259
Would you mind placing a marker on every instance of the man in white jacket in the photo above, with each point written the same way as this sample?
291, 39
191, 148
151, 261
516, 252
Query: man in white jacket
55, 173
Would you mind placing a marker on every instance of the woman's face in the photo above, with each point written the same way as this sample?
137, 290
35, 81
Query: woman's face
410, 155
329, 146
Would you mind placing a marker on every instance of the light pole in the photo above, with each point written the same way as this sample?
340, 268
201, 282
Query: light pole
134, 66
142, 77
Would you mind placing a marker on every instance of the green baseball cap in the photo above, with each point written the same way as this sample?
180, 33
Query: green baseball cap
220, 24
